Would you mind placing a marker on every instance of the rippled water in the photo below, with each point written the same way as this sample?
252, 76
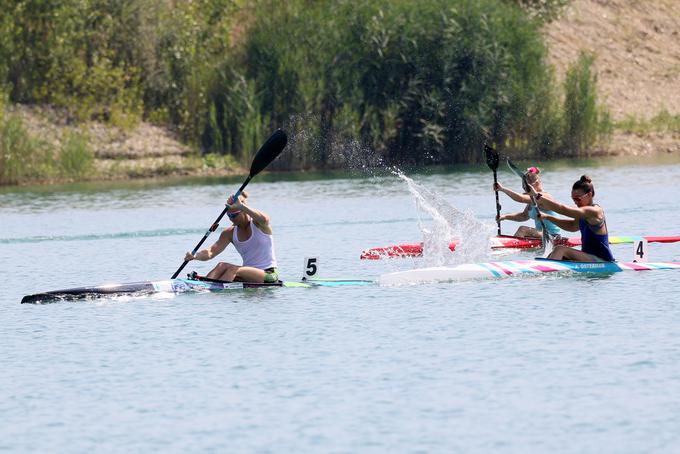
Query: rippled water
552, 363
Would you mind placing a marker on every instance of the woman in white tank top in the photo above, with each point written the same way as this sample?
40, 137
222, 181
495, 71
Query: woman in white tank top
252, 237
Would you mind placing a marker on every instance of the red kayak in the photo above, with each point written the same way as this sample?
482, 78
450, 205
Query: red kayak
501, 242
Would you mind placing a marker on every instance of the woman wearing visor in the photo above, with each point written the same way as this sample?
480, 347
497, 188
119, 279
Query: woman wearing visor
252, 237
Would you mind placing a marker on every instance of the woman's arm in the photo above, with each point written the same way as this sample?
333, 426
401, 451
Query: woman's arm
589, 213
208, 253
516, 196
548, 203
260, 218
554, 205
570, 225
520, 216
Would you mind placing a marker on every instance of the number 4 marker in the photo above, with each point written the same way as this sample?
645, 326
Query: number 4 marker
640, 250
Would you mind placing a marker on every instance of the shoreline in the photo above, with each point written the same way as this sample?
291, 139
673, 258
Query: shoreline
661, 148
159, 159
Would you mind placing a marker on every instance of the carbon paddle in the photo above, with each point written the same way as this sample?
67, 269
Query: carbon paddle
492, 161
547, 238
265, 155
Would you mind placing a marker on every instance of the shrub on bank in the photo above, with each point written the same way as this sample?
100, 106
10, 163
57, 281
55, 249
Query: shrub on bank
663, 122
414, 81
417, 81
545, 10
584, 120
81, 55
24, 157
76, 159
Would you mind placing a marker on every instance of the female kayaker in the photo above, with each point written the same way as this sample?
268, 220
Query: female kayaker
534, 179
252, 237
586, 217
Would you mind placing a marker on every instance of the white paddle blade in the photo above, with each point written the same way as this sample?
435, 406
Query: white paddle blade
548, 244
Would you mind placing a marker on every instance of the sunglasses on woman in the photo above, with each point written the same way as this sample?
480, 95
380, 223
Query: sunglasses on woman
579, 197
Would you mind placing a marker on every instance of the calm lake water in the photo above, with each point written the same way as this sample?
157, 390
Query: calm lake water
543, 364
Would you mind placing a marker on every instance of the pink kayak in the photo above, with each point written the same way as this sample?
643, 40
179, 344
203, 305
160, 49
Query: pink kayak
500, 242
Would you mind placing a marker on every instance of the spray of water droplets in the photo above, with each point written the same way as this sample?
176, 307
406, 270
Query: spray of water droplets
308, 148
448, 223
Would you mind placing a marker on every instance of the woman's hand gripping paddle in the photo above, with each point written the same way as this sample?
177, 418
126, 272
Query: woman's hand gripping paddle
265, 155
492, 161
547, 238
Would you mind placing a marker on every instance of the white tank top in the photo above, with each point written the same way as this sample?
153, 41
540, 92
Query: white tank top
258, 250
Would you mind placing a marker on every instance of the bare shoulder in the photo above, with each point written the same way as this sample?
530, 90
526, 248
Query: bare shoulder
227, 234
594, 212
265, 227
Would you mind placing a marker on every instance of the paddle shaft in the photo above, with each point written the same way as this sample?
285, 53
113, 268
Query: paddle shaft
534, 202
546, 235
492, 161
213, 227
498, 203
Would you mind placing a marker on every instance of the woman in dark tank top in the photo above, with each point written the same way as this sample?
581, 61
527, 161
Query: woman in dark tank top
586, 217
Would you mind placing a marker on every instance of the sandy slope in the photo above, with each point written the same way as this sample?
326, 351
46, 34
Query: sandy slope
637, 49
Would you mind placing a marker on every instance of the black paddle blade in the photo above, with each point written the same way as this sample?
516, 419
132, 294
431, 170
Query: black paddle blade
268, 152
519, 173
514, 168
491, 157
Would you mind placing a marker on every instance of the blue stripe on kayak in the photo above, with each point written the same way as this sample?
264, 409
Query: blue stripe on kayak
592, 267
525, 269
655, 266
660, 266
487, 267
337, 283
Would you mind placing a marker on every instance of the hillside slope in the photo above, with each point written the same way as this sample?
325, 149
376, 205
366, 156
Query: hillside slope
637, 49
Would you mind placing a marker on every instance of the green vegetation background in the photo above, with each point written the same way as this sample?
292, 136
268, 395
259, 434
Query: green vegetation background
386, 81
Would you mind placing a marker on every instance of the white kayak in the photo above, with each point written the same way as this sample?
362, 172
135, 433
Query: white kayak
508, 268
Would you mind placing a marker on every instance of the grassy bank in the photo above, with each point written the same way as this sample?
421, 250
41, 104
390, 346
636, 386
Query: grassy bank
25, 157
37, 146
398, 81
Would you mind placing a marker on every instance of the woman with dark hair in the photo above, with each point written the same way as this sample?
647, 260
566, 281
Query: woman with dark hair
586, 217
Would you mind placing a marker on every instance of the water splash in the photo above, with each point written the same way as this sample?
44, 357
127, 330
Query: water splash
448, 224
310, 148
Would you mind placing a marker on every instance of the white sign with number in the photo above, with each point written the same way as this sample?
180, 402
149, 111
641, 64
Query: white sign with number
310, 268
640, 250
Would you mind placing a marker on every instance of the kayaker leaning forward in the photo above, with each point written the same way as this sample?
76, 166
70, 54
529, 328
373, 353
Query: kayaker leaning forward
252, 237
587, 217
533, 178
